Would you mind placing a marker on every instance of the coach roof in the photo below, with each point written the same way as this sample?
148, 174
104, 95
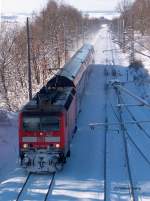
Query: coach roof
71, 69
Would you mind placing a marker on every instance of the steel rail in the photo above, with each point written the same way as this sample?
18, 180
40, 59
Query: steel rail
20, 193
132, 193
121, 123
118, 89
120, 120
106, 121
105, 144
50, 186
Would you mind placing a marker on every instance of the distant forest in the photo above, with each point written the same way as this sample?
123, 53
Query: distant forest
55, 34
134, 18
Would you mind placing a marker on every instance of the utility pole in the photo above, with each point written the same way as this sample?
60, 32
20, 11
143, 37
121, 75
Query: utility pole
83, 34
29, 61
123, 25
119, 30
77, 38
132, 56
123, 37
65, 43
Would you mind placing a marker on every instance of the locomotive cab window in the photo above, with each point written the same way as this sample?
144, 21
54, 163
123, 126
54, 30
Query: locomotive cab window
31, 123
41, 123
50, 123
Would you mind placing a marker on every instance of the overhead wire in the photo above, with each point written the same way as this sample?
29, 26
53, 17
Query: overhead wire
132, 190
136, 146
133, 117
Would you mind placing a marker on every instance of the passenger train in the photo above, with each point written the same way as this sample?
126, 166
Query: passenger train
47, 122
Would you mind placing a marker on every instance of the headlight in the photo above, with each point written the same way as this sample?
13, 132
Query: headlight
25, 146
57, 145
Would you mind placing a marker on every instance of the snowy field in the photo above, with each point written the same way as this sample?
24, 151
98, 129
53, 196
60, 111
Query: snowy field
98, 168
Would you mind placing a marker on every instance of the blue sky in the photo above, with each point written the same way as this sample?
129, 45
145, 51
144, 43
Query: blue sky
36, 5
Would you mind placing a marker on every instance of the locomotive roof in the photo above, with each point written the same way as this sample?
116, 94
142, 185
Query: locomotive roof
51, 100
72, 67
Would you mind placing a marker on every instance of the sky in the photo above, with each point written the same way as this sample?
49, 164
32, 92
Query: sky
94, 4
13, 6
27, 6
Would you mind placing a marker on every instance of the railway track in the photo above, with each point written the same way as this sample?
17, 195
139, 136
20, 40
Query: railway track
128, 139
119, 118
123, 129
105, 138
20, 193
27, 186
106, 74
118, 114
50, 187
128, 143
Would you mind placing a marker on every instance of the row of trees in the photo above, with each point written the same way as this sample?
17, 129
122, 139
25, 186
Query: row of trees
57, 32
135, 17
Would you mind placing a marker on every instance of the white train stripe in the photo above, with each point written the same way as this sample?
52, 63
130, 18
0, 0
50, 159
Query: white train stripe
52, 139
46, 139
29, 139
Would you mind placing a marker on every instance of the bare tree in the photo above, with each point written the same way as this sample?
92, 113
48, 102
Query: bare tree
7, 42
55, 33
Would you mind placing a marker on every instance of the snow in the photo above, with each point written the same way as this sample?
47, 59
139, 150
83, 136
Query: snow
8, 144
82, 178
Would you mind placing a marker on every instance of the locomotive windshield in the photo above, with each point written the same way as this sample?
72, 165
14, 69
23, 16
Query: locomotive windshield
41, 122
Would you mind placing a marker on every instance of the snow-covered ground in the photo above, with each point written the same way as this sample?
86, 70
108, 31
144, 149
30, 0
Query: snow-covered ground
83, 176
8, 144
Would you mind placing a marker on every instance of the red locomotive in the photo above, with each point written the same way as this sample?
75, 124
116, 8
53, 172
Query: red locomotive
48, 121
